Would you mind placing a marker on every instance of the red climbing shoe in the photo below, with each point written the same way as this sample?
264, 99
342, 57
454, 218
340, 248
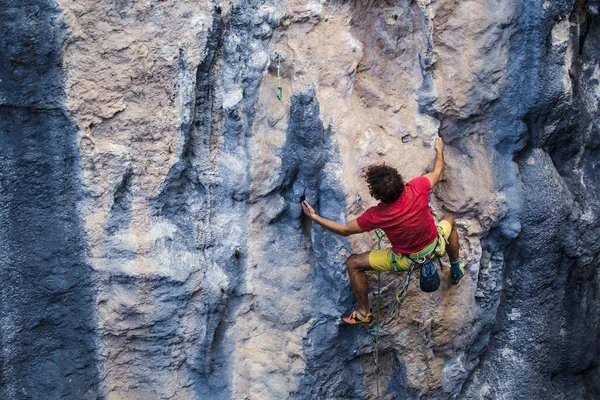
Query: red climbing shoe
354, 319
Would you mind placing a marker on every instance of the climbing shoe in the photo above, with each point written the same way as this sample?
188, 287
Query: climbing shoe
354, 319
456, 272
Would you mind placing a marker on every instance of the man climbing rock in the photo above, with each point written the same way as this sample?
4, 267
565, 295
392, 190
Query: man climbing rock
404, 215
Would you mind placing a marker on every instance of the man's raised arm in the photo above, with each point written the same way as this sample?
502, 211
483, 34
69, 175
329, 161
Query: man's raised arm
438, 166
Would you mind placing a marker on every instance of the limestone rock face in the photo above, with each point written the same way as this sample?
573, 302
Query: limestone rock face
152, 243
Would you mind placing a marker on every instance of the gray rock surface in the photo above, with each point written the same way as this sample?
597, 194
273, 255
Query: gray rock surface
48, 328
152, 243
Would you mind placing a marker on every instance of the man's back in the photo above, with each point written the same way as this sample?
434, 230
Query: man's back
407, 222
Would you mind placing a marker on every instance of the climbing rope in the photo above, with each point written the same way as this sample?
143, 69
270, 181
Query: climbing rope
378, 327
401, 299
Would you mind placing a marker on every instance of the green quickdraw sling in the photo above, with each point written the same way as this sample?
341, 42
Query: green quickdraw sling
279, 89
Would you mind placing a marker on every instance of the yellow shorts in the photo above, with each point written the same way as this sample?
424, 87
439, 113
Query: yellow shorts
382, 259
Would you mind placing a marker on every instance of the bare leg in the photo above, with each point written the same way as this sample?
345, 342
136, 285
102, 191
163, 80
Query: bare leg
357, 265
452, 247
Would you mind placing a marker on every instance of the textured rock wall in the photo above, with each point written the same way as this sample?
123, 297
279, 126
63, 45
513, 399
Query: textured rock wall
152, 243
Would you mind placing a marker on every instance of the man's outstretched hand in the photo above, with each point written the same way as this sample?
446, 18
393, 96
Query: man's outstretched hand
335, 227
308, 210
439, 144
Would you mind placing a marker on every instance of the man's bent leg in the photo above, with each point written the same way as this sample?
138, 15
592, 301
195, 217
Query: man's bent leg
452, 247
456, 271
357, 265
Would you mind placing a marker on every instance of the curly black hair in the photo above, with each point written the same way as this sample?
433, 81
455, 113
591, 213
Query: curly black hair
385, 183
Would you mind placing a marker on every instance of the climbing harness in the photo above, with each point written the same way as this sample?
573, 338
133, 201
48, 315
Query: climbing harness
279, 89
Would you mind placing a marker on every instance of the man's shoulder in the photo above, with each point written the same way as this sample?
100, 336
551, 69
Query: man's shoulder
420, 183
377, 210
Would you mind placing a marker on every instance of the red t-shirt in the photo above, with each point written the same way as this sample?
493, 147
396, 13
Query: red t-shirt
407, 222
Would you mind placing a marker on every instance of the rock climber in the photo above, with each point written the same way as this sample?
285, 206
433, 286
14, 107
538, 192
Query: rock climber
403, 214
